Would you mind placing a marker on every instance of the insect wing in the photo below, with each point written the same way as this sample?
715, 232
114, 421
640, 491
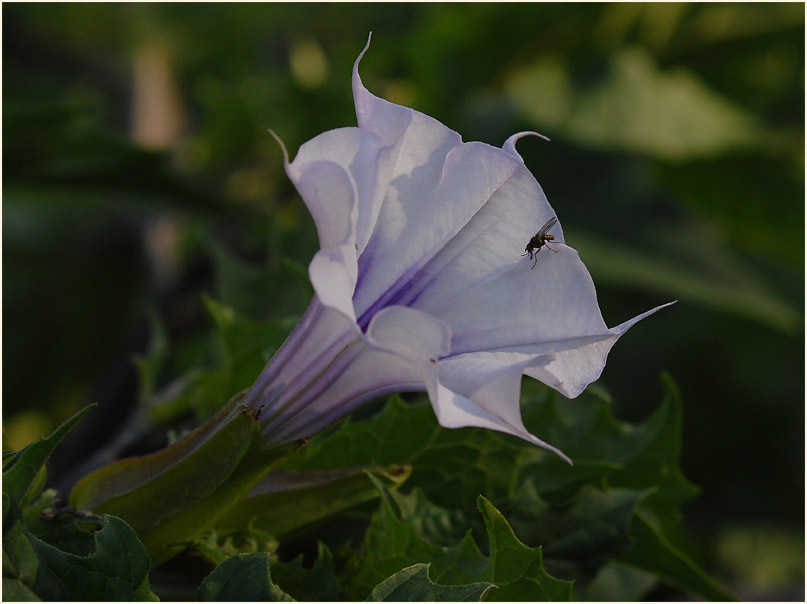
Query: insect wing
545, 229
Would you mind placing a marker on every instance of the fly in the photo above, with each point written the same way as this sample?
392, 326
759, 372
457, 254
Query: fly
540, 240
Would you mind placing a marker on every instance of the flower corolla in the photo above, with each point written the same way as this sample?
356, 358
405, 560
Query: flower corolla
420, 281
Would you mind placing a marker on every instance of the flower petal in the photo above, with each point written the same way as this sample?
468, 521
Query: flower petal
335, 173
415, 227
333, 276
490, 242
387, 120
414, 146
485, 394
520, 306
322, 334
410, 333
369, 374
583, 360
398, 353
549, 310
509, 145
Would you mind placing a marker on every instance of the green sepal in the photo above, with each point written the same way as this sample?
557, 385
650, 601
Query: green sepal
286, 500
172, 496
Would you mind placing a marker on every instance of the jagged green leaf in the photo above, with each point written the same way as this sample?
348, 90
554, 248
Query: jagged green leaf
580, 533
242, 578
66, 529
20, 562
452, 466
437, 524
116, 571
516, 569
581, 515
653, 552
391, 545
217, 547
21, 473
412, 584
318, 584
656, 460
642, 459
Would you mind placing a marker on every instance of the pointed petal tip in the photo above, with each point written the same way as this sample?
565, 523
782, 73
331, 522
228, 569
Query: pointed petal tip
658, 308
282, 146
623, 327
552, 449
568, 460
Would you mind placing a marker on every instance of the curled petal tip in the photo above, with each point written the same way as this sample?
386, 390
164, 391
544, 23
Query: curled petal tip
361, 54
282, 146
510, 144
519, 135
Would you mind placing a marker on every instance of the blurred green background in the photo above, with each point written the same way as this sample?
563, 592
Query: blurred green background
138, 175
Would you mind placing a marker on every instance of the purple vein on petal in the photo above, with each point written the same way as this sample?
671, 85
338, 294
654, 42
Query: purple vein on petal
407, 284
314, 381
285, 352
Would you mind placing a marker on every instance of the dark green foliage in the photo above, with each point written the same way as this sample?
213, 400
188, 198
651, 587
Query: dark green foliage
620, 502
242, 578
609, 524
116, 569
317, 584
23, 471
391, 545
413, 585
